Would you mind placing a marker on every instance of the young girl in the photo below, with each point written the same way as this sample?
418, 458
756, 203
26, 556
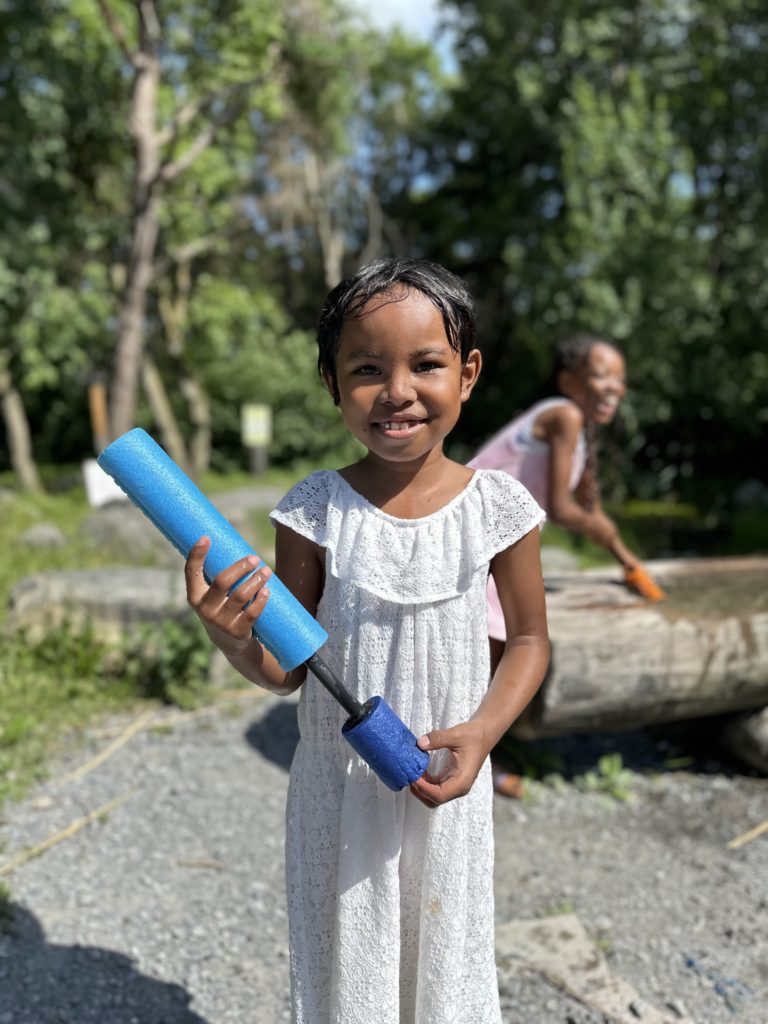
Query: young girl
391, 894
550, 449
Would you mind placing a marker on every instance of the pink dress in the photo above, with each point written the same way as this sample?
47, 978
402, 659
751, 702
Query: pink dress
516, 451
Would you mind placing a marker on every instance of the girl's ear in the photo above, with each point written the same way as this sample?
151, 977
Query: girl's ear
332, 386
470, 371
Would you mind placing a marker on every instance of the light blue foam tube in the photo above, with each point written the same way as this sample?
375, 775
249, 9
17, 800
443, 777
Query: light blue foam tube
181, 512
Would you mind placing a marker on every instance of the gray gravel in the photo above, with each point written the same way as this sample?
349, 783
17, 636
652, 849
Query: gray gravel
171, 910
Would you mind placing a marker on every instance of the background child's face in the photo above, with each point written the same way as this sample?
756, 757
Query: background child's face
599, 385
400, 383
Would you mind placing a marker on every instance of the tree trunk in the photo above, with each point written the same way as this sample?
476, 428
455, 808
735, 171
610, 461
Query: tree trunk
163, 413
200, 417
145, 226
19, 436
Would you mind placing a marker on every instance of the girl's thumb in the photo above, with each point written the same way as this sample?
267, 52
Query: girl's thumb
431, 740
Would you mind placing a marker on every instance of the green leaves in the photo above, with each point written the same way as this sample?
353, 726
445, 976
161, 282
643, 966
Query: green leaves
598, 170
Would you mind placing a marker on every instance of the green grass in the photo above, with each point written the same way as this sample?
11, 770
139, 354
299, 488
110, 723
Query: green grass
49, 690
6, 910
655, 529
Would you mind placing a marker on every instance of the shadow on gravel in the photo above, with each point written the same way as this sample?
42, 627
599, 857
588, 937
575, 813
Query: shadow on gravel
276, 734
41, 983
691, 746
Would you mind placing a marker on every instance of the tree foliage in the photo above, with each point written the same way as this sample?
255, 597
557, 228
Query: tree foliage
176, 172
599, 168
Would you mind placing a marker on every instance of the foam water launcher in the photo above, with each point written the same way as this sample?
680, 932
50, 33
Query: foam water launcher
182, 513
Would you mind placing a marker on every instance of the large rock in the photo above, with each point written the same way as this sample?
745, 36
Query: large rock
121, 526
111, 601
618, 661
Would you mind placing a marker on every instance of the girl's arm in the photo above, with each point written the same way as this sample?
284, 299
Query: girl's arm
228, 619
560, 428
517, 574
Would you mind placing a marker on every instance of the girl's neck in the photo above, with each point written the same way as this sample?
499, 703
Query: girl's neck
409, 490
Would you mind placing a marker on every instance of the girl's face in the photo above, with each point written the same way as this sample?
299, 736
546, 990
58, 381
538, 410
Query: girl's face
401, 385
598, 385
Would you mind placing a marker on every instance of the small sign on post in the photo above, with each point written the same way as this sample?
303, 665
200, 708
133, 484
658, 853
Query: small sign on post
256, 434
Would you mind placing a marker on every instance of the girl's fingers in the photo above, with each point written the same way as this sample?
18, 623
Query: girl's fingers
197, 587
434, 794
219, 603
243, 598
228, 577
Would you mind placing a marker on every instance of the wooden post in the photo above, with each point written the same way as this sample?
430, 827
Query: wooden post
97, 405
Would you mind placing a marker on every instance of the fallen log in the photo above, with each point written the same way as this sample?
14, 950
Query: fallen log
619, 662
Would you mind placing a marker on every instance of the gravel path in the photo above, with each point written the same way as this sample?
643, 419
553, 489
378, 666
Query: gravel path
171, 910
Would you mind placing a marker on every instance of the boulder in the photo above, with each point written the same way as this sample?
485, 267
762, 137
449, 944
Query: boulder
111, 601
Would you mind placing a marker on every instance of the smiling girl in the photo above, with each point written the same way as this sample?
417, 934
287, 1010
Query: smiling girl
550, 449
390, 895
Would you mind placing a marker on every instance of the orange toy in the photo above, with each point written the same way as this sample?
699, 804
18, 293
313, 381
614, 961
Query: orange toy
638, 579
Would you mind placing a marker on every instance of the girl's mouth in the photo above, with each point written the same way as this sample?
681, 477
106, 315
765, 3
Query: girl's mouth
399, 428
607, 406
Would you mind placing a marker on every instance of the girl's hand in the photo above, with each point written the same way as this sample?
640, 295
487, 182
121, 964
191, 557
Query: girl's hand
465, 748
228, 619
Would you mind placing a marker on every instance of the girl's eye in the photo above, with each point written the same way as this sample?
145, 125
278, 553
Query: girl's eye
427, 366
365, 370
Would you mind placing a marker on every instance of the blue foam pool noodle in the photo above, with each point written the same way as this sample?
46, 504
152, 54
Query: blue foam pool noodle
183, 514
178, 508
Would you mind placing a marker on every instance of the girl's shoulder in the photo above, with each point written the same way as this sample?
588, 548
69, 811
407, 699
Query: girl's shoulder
504, 501
312, 489
559, 410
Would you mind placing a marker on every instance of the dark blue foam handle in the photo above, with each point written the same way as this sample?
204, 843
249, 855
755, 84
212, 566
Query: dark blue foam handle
177, 507
386, 743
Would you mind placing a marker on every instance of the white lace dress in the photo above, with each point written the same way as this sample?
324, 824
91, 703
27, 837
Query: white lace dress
391, 904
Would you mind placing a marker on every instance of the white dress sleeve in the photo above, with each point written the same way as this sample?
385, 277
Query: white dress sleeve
305, 508
509, 510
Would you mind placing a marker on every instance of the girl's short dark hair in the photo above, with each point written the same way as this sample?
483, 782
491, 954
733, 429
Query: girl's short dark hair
444, 290
572, 352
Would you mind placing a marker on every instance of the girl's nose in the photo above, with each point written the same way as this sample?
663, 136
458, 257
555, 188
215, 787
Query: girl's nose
398, 388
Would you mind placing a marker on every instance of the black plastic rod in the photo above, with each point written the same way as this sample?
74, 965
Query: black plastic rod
319, 668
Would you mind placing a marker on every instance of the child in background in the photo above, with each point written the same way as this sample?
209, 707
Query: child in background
550, 449
391, 894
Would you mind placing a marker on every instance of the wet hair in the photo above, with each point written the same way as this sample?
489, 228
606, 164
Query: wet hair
397, 274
